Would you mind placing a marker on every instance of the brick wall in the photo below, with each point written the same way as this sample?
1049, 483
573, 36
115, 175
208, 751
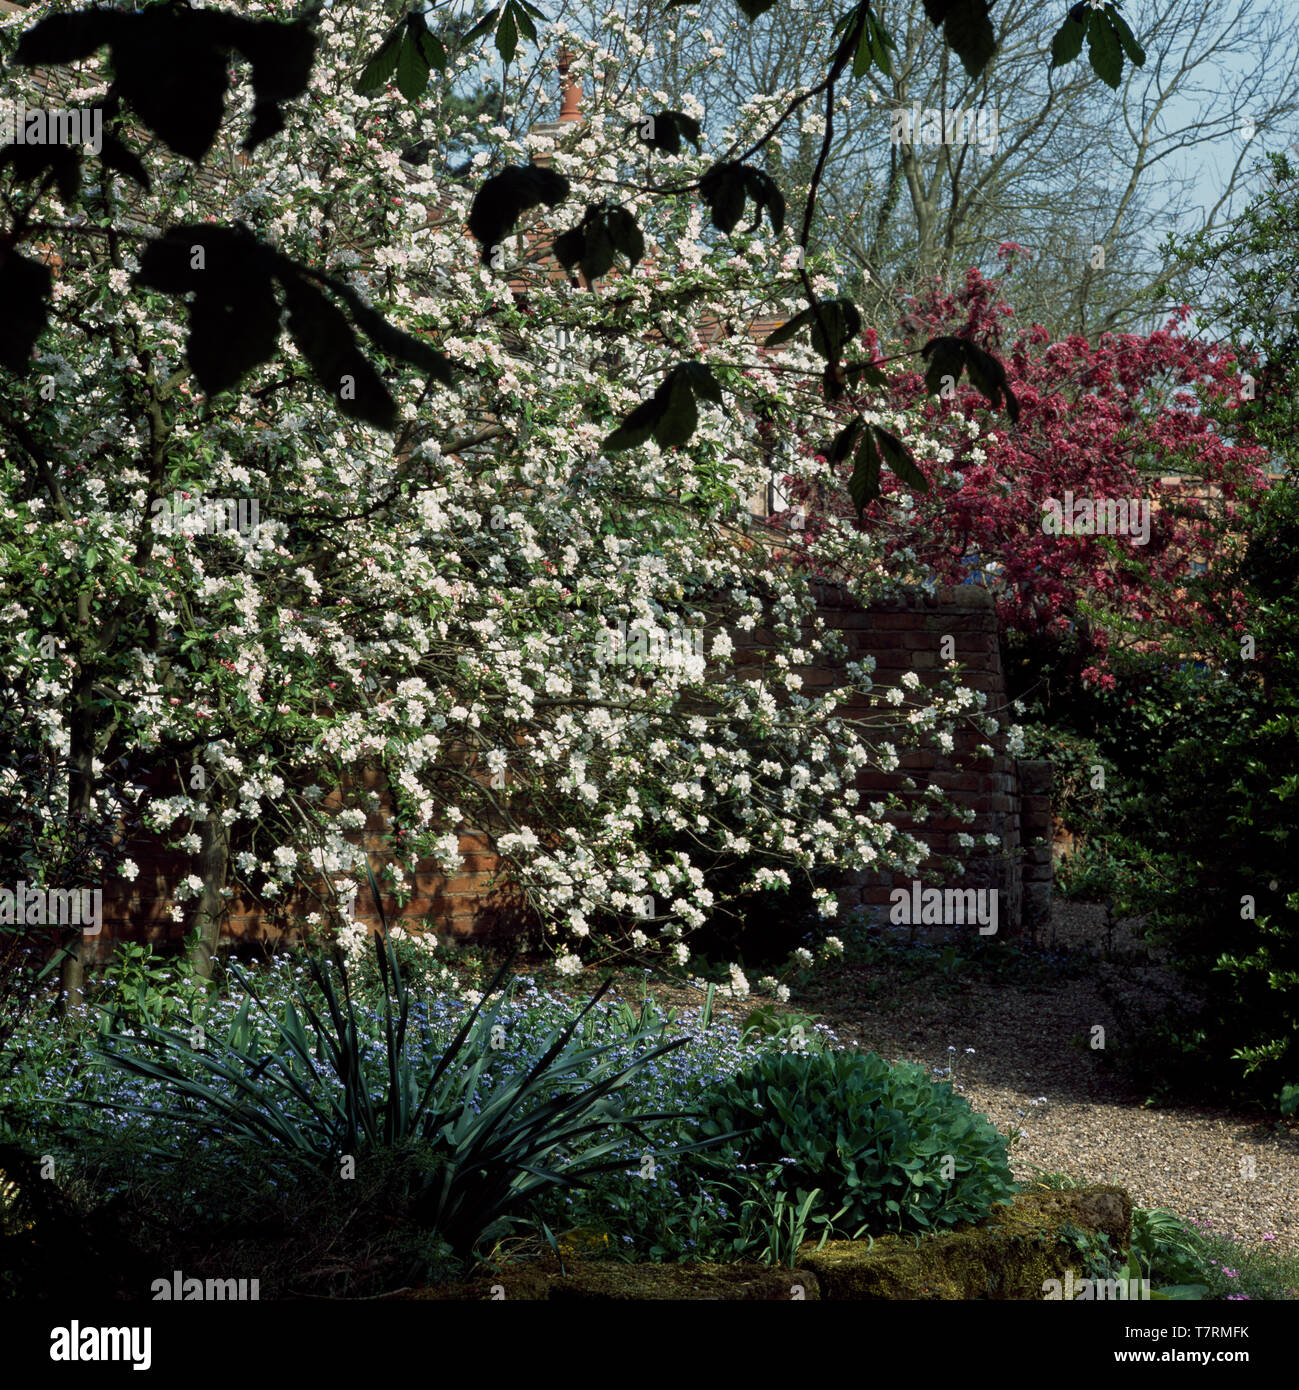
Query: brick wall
1010, 799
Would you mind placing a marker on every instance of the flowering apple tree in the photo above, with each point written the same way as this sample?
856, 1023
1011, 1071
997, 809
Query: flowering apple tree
342, 485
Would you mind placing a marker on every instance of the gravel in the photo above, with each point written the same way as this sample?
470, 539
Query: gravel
1233, 1169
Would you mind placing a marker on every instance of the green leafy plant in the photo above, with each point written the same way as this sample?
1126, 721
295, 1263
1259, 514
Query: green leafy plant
793, 1032
783, 1221
887, 1148
326, 1089
1168, 1251
143, 986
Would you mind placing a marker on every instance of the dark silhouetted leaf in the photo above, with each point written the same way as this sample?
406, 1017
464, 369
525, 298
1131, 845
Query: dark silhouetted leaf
946, 358
702, 381
667, 129
898, 457
842, 319
434, 51
380, 68
967, 30
235, 318
484, 25
681, 415
754, 9
1128, 39
868, 373
789, 330
763, 190
32, 162
1104, 51
1068, 42
325, 339
593, 243
68, 38
864, 485
412, 69
24, 289
722, 189
121, 157
281, 56
397, 344
988, 376
638, 426
843, 442
502, 200
507, 35
671, 414
170, 66
234, 326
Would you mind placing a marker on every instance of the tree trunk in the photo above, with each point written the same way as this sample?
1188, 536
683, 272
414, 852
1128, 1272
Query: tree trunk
72, 971
210, 910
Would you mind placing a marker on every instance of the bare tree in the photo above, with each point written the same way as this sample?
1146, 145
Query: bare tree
1091, 182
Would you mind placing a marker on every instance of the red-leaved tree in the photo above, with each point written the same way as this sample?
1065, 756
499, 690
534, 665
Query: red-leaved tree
1106, 422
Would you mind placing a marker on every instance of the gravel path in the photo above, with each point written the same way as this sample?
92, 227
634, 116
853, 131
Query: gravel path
1231, 1169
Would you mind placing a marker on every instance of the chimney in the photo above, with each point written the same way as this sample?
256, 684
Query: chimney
570, 111
571, 103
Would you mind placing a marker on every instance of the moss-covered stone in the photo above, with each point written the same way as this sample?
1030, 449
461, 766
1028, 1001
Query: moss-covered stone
603, 1281
1008, 1256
